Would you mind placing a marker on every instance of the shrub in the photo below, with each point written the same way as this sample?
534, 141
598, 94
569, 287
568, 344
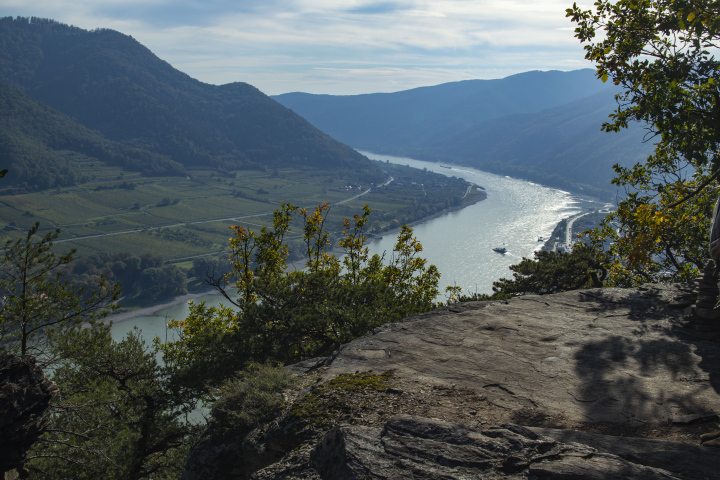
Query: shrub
251, 397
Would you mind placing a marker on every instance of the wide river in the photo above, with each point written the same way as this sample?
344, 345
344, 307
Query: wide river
460, 243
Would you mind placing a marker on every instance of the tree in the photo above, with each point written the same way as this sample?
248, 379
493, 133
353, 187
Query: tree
552, 272
661, 54
287, 316
37, 303
115, 416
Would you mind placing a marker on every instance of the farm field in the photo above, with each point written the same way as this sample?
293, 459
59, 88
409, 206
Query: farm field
180, 218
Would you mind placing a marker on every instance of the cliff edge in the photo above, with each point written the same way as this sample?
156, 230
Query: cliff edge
604, 380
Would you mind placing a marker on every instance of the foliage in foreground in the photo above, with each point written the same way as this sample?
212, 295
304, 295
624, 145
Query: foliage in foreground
115, 416
552, 272
37, 302
286, 316
662, 54
251, 397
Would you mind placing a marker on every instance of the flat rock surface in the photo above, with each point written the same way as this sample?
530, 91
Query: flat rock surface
603, 356
604, 383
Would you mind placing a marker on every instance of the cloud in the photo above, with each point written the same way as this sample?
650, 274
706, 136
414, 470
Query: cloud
334, 45
376, 8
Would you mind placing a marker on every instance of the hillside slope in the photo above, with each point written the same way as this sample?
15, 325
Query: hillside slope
109, 82
565, 141
44, 148
382, 121
540, 125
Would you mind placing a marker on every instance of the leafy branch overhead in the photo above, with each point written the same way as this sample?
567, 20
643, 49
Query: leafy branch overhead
662, 54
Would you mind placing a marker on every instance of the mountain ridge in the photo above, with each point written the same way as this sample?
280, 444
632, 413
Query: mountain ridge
542, 126
109, 82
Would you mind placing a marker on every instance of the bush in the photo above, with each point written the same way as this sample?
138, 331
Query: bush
250, 398
287, 316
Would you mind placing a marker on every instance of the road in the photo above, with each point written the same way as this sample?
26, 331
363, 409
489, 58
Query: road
568, 231
196, 222
363, 193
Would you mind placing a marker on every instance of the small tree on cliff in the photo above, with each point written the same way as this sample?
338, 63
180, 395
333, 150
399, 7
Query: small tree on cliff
286, 316
116, 415
552, 272
37, 302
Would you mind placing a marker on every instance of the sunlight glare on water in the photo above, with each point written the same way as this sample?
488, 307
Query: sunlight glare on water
460, 243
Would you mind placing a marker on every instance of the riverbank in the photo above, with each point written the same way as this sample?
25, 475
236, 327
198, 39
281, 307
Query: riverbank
153, 309
460, 244
444, 211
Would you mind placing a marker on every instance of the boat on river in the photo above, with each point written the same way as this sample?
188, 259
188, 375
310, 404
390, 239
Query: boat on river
500, 249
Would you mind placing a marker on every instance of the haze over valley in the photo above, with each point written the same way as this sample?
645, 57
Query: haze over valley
543, 126
116, 147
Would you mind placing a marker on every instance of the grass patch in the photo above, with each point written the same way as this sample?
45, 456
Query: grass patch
328, 404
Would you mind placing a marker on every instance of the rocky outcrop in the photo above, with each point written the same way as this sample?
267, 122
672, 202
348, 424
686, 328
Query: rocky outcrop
603, 356
687, 460
611, 370
421, 448
25, 395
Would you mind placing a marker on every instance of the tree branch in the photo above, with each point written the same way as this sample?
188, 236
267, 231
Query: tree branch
687, 197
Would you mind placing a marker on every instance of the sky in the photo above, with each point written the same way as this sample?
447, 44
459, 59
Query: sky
339, 47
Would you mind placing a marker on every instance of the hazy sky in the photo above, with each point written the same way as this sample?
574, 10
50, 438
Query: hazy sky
334, 46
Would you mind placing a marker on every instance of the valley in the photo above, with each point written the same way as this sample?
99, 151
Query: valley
187, 217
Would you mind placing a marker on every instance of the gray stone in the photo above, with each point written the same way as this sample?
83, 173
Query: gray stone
682, 459
307, 365
416, 447
590, 356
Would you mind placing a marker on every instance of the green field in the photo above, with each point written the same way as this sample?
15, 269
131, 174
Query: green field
180, 218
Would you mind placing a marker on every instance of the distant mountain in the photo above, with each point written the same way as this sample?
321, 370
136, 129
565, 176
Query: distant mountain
564, 141
44, 148
109, 82
387, 120
539, 125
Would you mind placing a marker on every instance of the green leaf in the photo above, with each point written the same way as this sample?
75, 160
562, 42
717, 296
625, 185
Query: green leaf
604, 77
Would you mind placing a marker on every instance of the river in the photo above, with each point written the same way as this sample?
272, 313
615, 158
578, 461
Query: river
460, 243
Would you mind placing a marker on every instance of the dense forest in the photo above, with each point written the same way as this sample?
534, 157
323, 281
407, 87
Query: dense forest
108, 82
144, 275
44, 148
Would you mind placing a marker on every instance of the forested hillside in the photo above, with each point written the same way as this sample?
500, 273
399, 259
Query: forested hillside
543, 126
382, 121
556, 143
109, 82
44, 148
